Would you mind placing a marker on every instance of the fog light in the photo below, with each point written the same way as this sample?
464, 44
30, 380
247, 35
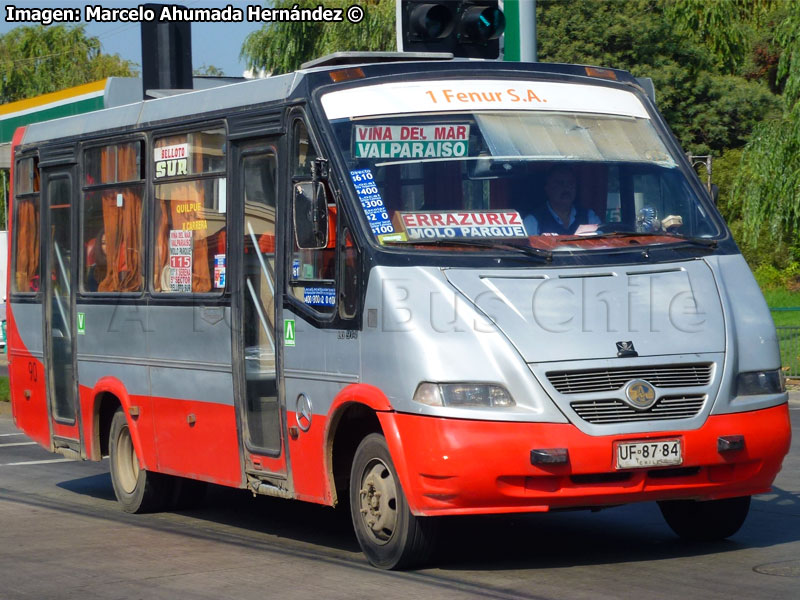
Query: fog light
549, 456
730, 443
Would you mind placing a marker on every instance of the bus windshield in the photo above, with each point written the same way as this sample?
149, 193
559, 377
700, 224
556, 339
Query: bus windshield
576, 175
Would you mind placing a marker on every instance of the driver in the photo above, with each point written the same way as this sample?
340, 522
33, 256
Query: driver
559, 215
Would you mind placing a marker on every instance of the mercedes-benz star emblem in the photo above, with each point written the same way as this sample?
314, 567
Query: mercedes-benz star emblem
303, 412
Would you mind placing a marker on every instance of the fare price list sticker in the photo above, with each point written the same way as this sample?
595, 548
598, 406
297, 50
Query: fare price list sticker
371, 201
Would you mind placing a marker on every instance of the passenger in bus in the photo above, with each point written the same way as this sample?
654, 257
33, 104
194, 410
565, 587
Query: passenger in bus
97, 261
559, 215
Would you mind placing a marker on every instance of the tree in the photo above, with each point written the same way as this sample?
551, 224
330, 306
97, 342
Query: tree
283, 46
768, 183
725, 27
708, 108
38, 60
208, 71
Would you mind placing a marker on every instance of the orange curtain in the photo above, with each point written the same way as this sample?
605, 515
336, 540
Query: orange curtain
122, 224
27, 267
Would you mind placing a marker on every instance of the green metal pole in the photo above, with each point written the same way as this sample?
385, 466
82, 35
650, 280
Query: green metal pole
520, 34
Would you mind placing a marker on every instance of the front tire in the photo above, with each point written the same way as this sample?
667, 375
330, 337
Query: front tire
137, 490
705, 521
388, 533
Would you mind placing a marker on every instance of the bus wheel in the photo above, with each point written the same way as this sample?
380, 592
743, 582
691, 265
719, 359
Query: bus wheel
705, 521
136, 490
390, 536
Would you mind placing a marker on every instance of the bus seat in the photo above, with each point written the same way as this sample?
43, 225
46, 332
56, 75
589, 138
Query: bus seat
90, 258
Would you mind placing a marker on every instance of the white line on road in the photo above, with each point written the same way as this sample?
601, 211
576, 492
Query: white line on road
18, 444
10, 434
36, 462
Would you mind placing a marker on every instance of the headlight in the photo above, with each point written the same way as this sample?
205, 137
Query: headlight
760, 382
463, 395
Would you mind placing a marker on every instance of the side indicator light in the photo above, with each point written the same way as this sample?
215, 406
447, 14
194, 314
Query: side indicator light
549, 456
730, 443
346, 74
602, 73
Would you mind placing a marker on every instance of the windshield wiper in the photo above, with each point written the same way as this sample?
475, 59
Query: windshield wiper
546, 255
696, 241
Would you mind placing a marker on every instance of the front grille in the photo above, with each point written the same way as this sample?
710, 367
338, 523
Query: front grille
606, 380
600, 412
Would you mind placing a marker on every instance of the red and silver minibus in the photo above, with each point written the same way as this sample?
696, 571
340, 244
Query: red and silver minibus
417, 288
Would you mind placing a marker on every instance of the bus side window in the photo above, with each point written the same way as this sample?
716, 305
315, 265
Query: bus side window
112, 218
25, 247
312, 273
190, 213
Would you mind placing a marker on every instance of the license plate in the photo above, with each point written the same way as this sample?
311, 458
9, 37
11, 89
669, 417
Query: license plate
635, 455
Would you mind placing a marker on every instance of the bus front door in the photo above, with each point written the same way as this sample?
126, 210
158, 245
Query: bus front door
260, 399
58, 311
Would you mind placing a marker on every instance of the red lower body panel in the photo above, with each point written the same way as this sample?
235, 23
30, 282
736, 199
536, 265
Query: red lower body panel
198, 440
29, 397
458, 466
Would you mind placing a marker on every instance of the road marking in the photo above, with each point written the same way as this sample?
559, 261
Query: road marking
18, 444
10, 434
36, 462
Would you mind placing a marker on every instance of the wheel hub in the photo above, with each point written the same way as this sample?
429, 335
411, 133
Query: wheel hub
378, 499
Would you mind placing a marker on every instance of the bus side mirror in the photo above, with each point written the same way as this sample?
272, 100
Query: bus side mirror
311, 215
714, 193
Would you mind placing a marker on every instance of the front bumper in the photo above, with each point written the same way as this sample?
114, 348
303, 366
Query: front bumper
454, 466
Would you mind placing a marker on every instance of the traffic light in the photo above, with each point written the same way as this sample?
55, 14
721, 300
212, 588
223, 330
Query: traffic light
467, 28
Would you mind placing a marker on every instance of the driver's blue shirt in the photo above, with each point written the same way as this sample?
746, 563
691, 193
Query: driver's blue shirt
532, 223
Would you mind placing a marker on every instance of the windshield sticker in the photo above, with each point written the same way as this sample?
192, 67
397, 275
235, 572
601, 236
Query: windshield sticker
458, 224
180, 260
371, 202
319, 296
172, 160
480, 94
409, 141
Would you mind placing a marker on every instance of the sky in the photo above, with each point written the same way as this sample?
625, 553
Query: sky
215, 44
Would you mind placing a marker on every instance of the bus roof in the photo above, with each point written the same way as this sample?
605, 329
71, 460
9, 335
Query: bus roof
245, 94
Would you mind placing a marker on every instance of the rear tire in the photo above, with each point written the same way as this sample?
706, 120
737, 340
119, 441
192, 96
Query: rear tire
388, 533
137, 490
705, 521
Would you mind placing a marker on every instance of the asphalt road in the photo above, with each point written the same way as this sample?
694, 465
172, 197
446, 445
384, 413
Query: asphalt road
63, 536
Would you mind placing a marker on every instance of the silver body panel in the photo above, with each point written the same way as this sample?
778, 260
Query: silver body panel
177, 352
320, 365
512, 327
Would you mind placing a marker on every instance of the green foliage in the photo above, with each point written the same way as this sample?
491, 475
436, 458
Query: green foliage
208, 71
787, 35
38, 60
724, 171
283, 46
768, 182
724, 27
708, 109
772, 278
5, 392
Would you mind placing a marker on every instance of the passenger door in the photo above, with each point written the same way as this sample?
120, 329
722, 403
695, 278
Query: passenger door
260, 397
58, 309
